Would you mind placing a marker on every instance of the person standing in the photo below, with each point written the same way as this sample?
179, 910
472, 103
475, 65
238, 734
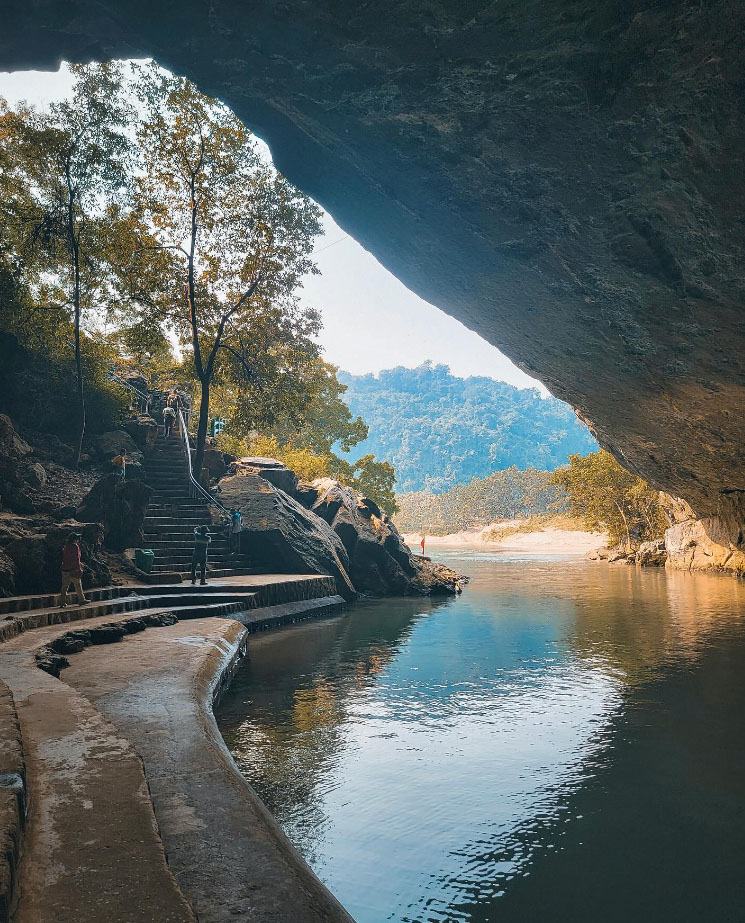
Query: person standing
236, 527
422, 546
72, 570
202, 539
169, 418
119, 464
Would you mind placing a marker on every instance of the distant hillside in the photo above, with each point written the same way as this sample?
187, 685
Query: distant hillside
439, 430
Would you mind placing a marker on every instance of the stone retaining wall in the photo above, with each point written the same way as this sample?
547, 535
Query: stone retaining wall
12, 800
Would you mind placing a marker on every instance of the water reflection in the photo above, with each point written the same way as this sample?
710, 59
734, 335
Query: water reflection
561, 741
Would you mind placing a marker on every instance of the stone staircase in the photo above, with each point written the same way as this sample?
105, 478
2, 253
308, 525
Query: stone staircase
173, 515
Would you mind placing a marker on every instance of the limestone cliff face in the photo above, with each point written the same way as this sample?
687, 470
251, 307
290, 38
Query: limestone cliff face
564, 177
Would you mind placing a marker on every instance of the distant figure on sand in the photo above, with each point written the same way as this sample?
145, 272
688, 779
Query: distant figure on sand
236, 527
422, 546
169, 418
202, 541
72, 570
119, 464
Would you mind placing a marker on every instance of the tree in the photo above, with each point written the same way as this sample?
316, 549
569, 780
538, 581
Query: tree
611, 499
60, 170
240, 237
376, 480
325, 420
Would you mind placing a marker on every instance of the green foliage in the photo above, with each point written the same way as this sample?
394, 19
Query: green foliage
504, 494
376, 480
235, 238
610, 499
438, 430
324, 419
61, 171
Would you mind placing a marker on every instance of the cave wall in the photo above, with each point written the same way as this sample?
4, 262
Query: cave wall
566, 178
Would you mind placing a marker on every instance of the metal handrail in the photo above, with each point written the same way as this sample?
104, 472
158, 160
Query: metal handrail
143, 397
196, 490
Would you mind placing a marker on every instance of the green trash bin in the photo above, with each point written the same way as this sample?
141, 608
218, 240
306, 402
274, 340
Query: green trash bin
144, 558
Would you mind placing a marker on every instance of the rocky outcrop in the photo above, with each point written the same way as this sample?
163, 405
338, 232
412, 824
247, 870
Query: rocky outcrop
270, 469
714, 543
329, 529
108, 445
564, 178
214, 462
144, 431
16, 469
381, 563
281, 534
35, 476
120, 506
652, 554
7, 575
37, 556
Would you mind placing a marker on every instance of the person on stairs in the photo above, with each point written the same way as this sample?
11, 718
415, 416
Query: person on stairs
202, 539
119, 464
236, 527
72, 570
169, 418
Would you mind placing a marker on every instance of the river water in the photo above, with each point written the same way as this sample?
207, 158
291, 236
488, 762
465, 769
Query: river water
563, 742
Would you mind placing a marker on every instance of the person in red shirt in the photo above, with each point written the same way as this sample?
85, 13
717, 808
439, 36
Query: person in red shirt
72, 570
422, 545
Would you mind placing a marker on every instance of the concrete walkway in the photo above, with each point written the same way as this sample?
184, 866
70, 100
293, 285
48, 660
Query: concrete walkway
137, 812
228, 856
92, 840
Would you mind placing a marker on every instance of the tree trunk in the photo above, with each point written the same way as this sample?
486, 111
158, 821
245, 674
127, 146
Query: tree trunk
80, 430
204, 412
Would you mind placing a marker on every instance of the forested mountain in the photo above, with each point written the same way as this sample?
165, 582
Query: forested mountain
439, 430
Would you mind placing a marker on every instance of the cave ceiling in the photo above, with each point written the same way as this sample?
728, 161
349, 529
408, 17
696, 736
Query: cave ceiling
565, 178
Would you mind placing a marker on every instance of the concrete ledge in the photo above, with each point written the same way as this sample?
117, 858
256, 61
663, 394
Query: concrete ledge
91, 850
13, 800
230, 859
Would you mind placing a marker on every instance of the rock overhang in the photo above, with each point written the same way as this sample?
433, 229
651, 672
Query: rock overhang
564, 179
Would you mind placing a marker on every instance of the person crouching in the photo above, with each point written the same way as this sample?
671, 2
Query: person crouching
202, 539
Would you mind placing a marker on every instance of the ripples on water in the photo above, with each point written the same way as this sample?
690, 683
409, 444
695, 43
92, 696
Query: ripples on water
562, 742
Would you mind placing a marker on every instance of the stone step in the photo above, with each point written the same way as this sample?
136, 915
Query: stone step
183, 597
213, 573
177, 512
12, 604
175, 562
182, 535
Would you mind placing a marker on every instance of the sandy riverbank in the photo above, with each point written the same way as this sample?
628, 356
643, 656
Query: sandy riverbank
546, 540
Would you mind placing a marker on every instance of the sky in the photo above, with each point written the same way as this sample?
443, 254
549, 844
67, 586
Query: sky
371, 320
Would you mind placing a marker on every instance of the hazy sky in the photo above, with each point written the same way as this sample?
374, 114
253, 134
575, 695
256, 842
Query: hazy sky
371, 320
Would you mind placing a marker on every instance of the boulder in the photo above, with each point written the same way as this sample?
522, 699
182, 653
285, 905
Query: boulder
7, 575
11, 444
107, 445
306, 494
37, 558
214, 462
14, 491
652, 554
381, 563
49, 446
120, 506
143, 430
35, 476
281, 535
617, 554
270, 469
